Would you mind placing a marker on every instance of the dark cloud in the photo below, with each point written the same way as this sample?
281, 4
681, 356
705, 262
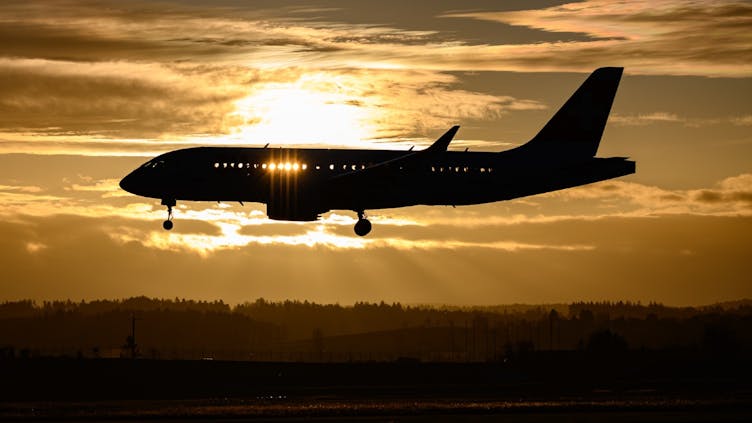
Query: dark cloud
85, 100
667, 37
716, 197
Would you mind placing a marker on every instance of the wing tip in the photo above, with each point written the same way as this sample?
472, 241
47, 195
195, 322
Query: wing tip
442, 143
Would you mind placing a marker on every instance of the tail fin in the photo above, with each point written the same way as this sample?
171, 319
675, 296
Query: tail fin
575, 130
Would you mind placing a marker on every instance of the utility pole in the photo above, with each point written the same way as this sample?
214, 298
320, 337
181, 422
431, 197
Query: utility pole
130, 341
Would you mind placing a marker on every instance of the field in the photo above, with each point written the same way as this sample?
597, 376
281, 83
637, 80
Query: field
572, 386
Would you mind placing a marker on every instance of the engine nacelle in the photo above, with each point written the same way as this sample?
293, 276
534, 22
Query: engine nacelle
293, 211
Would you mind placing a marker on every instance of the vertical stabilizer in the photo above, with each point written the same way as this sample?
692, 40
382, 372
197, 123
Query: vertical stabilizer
575, 130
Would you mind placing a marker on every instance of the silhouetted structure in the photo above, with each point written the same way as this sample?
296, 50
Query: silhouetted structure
300, 184
130, 340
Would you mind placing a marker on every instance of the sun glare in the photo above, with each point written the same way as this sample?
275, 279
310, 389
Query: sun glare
309, 111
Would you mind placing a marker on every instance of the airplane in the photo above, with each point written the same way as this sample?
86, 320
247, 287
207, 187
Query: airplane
299, 184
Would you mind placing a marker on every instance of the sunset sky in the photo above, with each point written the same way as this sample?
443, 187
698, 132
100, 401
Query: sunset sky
91, 89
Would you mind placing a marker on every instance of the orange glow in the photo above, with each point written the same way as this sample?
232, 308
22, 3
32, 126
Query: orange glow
305, 111
287, 166
125, 84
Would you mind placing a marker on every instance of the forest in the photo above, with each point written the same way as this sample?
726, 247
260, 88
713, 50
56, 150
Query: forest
290, 330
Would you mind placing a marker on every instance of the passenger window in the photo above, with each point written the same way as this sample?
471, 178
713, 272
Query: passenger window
216, 165
331, 167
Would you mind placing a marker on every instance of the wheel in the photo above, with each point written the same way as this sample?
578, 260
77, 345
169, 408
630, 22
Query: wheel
167, 224
362, 227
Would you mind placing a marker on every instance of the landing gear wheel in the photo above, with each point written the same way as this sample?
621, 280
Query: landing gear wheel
167, 224
363, 226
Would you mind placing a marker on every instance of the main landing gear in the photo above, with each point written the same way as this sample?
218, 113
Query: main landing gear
363, 226
167, 224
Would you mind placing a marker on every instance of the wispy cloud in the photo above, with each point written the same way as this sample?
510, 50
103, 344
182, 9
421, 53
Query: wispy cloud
320, 237
730, 197
742, 120
21, 188
82, 79
665, 37
644, 119
111, 107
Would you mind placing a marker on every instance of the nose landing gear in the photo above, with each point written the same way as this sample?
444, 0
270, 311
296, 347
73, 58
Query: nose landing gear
363, 226
167, 224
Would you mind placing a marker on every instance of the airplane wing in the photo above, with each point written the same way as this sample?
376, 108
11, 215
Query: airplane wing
411, 159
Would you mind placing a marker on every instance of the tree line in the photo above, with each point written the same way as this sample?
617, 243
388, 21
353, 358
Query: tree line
180, 328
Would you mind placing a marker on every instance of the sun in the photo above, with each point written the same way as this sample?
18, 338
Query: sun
312, 110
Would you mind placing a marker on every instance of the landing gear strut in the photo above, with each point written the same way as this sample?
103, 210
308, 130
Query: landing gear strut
167, 224
363, 226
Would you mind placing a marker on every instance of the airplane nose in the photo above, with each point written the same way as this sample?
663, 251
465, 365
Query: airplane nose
128, 183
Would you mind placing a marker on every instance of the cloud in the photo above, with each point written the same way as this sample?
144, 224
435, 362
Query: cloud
644, 119
83, 258
35, 247
669, 37
109, 99
21, 188
99, 108
730, 197
105, 188
742, 120
665, 37
142, 78
320, 237
666, 117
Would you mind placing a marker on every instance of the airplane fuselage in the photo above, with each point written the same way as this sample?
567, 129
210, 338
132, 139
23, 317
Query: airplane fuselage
300, 184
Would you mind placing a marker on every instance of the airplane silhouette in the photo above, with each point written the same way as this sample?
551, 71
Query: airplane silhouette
298, 184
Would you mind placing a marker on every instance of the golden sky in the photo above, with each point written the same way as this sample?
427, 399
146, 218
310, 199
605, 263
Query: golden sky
91, 89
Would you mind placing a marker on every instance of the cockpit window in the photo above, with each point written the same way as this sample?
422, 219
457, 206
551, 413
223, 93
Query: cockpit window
153, 164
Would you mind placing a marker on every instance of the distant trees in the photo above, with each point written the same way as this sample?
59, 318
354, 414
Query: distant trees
179, 328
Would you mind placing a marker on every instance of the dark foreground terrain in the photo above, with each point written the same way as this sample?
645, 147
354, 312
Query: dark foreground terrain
574, 386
